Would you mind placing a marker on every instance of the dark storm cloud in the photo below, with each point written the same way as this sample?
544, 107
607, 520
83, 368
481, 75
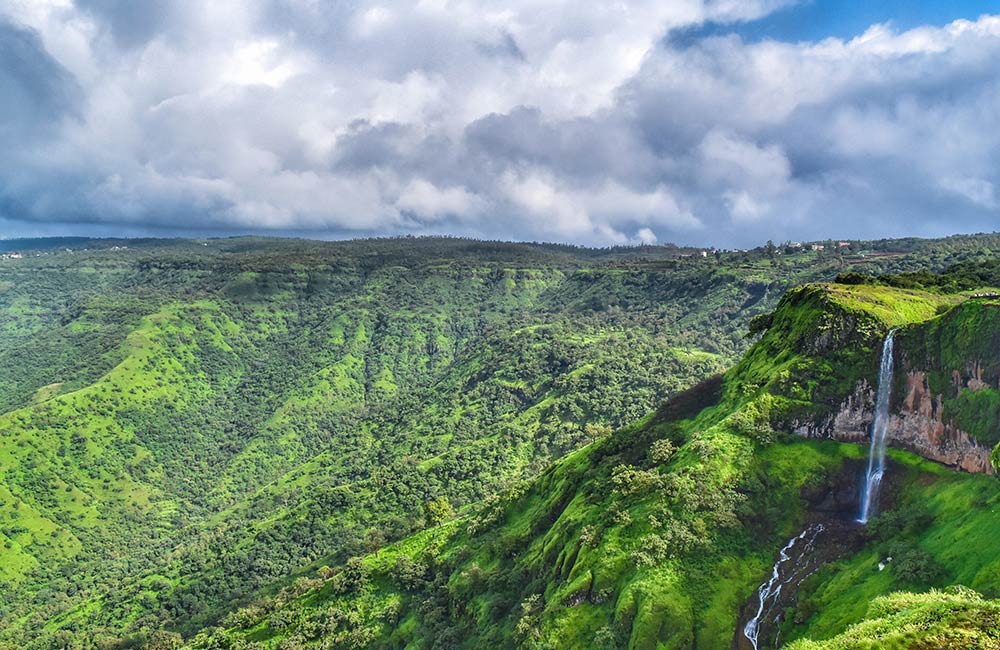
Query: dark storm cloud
36, 90
582, 123
37, 95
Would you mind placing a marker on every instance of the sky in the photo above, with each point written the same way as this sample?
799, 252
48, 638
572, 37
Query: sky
705, 122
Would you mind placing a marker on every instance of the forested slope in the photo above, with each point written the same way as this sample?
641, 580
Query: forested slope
189, 425
658, 535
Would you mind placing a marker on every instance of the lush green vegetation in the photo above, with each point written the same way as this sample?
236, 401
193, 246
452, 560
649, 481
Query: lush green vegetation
955, 618
939, 532
195, 432
656, 535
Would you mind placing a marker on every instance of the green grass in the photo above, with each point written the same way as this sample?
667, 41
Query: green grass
891, 306
952, 506
954, 618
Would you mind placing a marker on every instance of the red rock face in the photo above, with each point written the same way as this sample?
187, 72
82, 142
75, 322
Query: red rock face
917, 426
920, 428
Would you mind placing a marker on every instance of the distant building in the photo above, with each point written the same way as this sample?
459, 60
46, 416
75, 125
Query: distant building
817, 247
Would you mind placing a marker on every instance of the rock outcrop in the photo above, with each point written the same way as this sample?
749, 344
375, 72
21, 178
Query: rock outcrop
916, 425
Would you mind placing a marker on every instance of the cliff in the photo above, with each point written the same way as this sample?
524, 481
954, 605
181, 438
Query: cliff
945, 406
917, 425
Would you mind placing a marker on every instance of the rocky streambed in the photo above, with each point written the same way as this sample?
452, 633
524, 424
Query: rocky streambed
830, 532
818, 543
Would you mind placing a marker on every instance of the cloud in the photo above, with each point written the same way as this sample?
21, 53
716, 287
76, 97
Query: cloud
36, 89
607, 213
531, 120
427, 201
978, 191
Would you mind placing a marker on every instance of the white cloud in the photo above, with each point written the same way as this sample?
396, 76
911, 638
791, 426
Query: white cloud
259, 61
432, 203
976, 190
552, 120
745, 208
590, 214
644, 236
735, 161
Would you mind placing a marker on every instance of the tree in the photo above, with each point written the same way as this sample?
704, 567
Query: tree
438, 511
596, 431
661, 451
163, 640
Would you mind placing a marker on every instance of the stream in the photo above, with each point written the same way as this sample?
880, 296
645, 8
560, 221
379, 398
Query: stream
786, 571
818, 543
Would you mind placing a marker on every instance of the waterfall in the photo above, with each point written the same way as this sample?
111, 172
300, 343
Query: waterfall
787, 571
879, 435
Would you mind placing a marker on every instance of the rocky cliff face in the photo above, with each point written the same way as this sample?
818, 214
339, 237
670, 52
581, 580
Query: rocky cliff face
916, 424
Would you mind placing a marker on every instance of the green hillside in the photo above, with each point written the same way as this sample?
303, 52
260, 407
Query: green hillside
656, 536
955, 618
210, 433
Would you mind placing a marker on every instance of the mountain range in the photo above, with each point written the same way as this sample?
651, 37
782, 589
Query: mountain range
440, 443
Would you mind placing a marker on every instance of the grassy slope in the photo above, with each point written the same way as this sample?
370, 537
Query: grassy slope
955, 618
71, 461
577, 554
614, 541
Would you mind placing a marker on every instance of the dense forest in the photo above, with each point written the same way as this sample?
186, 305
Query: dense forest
658, 535
256, 442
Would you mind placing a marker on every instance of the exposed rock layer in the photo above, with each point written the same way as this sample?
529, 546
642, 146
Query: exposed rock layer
916, 425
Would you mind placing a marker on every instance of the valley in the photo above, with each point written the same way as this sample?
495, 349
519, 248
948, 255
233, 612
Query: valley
446, 443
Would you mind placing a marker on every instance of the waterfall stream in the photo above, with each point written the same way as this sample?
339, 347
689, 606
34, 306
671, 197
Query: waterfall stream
761, 617
880, 425
788, 570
